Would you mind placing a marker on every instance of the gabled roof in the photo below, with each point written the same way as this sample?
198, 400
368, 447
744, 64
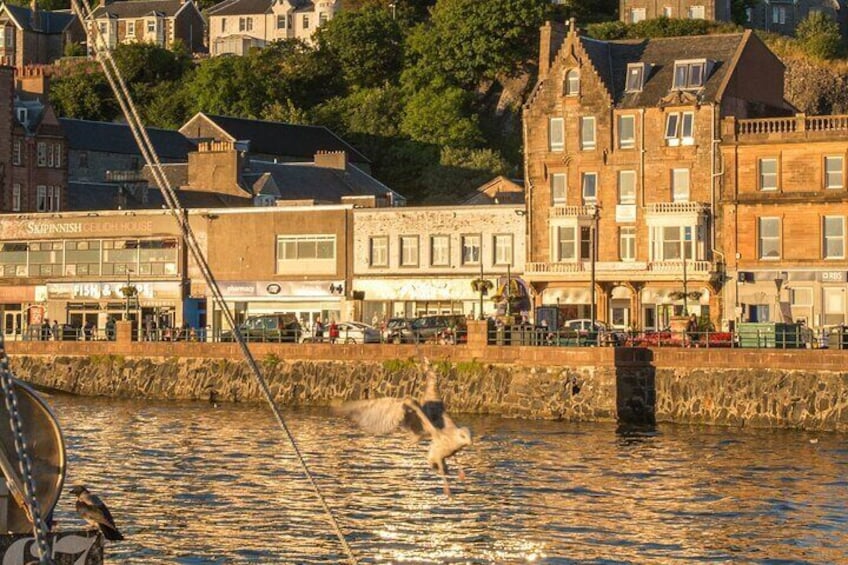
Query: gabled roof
499, 190
139, 9
305, 181
240, 7
610, 59
280, 139
51, 22
111, 137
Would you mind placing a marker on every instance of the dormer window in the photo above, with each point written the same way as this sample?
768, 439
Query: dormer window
691, 75
572, 83
636, 75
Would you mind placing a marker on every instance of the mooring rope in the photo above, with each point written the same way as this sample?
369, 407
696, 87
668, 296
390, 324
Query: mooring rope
116, 82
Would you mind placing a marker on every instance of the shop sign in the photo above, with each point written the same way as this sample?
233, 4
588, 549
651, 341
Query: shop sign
258, 289
96, 290
35, 228
832, 276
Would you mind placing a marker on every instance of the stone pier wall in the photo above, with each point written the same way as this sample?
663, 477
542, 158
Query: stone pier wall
801, 389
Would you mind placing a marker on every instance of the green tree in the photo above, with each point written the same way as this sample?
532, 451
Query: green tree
819, 36
459, 171
467, 41
367, 44
442, 117
585, 11
80, 90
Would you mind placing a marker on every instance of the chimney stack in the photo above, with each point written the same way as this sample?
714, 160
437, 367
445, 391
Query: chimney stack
331, 160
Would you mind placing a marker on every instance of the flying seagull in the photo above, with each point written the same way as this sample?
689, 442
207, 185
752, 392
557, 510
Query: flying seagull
93, 511
427, 418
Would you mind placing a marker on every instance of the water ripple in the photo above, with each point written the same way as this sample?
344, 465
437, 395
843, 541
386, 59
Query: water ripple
193, 485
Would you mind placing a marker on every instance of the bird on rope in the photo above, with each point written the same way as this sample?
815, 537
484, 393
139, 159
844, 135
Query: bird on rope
95, 513
423, 419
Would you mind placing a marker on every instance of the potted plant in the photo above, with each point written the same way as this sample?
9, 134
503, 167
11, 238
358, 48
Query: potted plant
482, 286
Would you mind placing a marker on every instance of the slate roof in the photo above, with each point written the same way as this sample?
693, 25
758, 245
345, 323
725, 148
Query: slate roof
240, 7
111, 137
84, 196
51, 22
285, 140
138, 8
305, 181
610, 59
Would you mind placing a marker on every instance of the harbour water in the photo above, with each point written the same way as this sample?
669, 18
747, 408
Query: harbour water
192, 484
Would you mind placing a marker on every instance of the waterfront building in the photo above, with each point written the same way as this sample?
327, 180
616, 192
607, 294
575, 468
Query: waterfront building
33, 150
160, 22
236, 26
778, 16
784, 219
412, 261
32, 36
623, 170
635, 11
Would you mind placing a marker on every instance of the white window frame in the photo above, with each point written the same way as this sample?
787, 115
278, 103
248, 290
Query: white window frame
590, 197
472, 249
626, 142
690, 75
41, 154
679, 128
17, 152
635, 77
768, 180
833, 296
637, 15
131, 29
41, 198
627, 187
667, 11
627, 243
281, 19
834, 171
681, 238
833, 244
16, 197
437, 251
572, 82
588, 133
697, 12
560, 243
302, 263
681, 182
556, 134
772, 240
559, 189
778, 15
801, 296
409, 251
502, 243
378, 251
305, 21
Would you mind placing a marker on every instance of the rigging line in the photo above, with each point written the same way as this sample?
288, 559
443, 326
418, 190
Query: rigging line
152, 160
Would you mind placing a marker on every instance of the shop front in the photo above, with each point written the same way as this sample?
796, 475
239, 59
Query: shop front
307, 300
411, 298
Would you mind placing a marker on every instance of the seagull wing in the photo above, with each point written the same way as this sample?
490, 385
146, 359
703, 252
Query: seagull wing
383, 415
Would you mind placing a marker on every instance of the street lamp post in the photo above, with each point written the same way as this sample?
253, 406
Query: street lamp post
593, 258
481, 287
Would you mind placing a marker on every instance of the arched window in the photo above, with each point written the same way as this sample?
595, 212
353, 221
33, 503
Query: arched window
572, 82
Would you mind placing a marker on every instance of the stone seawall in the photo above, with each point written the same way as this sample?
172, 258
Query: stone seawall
576, 394
802, 389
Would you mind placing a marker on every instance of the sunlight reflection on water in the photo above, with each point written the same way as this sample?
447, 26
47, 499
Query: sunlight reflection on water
190, 484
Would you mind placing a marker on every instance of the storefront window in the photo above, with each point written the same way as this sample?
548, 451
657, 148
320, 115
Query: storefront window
45, 259
82, 258
158, 257
13, 259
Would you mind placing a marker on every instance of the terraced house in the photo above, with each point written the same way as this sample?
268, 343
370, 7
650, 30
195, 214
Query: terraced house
236, 26
624, 170
161, 22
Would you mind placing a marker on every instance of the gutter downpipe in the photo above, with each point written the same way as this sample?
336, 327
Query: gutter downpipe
714, 174
528, 203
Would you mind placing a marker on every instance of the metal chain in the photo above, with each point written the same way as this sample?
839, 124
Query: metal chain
39, 528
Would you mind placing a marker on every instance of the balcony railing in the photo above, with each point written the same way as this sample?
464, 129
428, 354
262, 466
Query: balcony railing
572, 211
798, 124
124, 176
555, 267
676, 266
677, 208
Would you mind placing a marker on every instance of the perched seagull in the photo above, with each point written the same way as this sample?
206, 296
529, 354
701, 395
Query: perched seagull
427, 418
93, 511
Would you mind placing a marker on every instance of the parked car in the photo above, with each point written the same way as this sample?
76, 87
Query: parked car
393, 325
357, 332
606, 335
432, 328
268, 327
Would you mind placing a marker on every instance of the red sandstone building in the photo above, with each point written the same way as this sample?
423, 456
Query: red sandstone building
33, 151
624, 170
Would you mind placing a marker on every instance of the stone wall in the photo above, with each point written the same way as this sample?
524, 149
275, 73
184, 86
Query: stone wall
805, 389
576, 394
